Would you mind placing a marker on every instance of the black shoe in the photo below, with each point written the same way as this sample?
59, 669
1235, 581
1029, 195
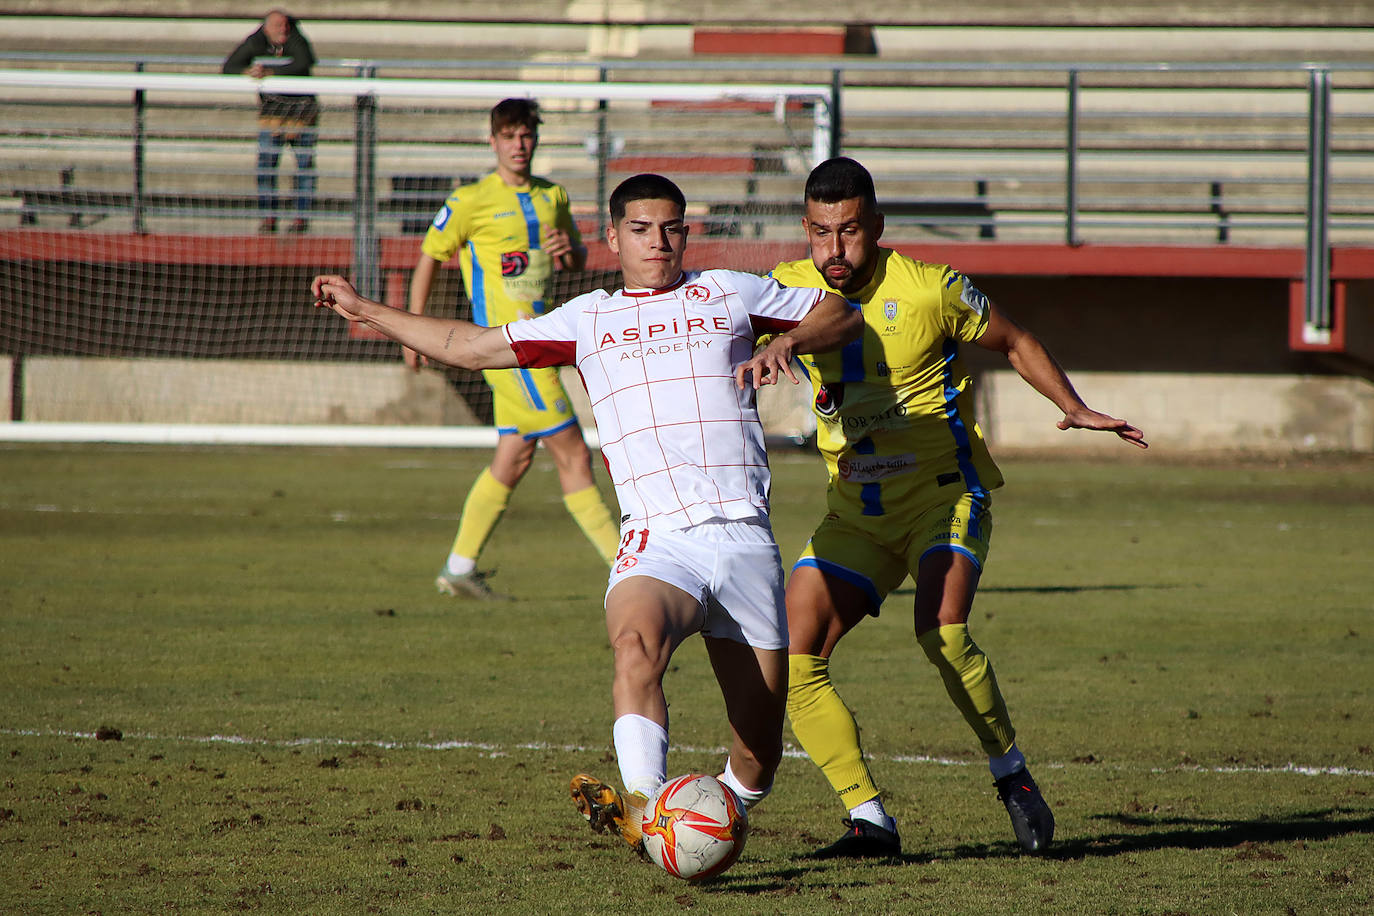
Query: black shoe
1031, 818
862, 840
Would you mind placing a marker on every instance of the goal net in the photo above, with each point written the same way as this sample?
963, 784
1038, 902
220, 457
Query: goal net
143, 300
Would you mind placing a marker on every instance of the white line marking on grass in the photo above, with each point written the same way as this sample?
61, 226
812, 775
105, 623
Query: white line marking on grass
505, 750
334, 515
349, 516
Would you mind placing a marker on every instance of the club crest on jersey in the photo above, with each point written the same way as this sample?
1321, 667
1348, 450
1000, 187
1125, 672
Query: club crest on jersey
890, 309
829, 398
514, 263
696, 293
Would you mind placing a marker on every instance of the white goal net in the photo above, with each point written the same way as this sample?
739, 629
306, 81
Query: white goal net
143, 302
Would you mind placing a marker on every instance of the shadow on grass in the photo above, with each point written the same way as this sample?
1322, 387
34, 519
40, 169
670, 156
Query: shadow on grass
1185, 833
1247, 837
1046, 589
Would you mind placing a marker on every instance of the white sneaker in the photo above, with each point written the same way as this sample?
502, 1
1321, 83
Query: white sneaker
468, 585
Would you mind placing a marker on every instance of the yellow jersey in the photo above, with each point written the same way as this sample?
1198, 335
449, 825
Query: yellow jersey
497, 230
894, 409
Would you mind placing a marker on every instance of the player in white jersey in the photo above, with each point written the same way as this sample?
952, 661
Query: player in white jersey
669, 364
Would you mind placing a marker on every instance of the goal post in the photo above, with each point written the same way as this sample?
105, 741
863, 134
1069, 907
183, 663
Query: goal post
141, 304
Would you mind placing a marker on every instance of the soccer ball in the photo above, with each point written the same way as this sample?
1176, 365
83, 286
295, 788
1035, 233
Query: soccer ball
694, 827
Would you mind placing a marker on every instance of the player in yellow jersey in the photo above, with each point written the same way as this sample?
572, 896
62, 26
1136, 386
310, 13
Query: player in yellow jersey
511, 231
908, 494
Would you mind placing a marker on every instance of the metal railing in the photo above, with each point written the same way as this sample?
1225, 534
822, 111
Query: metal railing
1230, 153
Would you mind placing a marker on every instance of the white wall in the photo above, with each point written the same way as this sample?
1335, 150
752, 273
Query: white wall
1191, 411
1177, 411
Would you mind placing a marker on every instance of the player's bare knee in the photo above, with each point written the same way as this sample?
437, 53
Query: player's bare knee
511, 469
637, 661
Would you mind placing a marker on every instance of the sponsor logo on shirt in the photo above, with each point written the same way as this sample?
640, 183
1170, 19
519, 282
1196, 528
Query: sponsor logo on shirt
870, 468
442, 217
663, 349
715, 324
514, 263
870, 423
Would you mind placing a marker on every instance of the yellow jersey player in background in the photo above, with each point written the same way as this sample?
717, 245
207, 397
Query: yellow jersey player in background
908, 494
511, 231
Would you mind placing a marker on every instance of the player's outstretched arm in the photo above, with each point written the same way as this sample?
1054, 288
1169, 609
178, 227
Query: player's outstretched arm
829, 326
1034, 363
451, 341
421, 281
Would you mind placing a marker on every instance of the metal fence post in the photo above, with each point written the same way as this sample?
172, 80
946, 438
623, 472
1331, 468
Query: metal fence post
1317, 323
139, 153
1071, 164
603, 144
834, 125
366, 248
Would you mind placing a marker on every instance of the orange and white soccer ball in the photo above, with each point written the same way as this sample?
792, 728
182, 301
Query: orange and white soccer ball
694, 827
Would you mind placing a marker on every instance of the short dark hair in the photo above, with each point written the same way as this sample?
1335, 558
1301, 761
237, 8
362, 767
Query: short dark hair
646, 186
840, 179
515, 112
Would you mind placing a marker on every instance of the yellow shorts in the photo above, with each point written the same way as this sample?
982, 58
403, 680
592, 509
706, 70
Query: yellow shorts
877, 553
529, 402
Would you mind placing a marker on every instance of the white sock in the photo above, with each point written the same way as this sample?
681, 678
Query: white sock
459, 566
1008, 763
749, 796
874, 812
641, 745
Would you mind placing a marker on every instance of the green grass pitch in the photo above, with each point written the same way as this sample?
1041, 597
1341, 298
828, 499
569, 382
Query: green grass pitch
304, 726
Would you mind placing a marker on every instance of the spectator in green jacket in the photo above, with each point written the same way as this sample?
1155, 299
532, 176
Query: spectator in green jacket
278, 48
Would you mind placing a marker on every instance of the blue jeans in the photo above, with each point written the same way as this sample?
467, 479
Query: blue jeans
270, 145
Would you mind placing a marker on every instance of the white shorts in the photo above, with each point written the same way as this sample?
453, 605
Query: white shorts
732, 567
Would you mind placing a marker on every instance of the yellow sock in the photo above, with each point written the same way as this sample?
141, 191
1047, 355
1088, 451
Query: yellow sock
485, 504
826, 729
971, 684
589, 510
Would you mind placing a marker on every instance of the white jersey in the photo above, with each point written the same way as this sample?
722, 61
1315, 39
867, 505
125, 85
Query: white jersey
682, 443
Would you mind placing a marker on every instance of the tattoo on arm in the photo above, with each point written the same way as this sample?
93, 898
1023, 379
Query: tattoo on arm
449, 339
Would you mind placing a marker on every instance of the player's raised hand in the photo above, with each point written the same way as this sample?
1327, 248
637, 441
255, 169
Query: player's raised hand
767, 365
557, 243
1087, 418
333, 291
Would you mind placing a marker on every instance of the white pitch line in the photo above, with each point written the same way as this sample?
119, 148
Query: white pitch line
505, 750
341, 516
337, 515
